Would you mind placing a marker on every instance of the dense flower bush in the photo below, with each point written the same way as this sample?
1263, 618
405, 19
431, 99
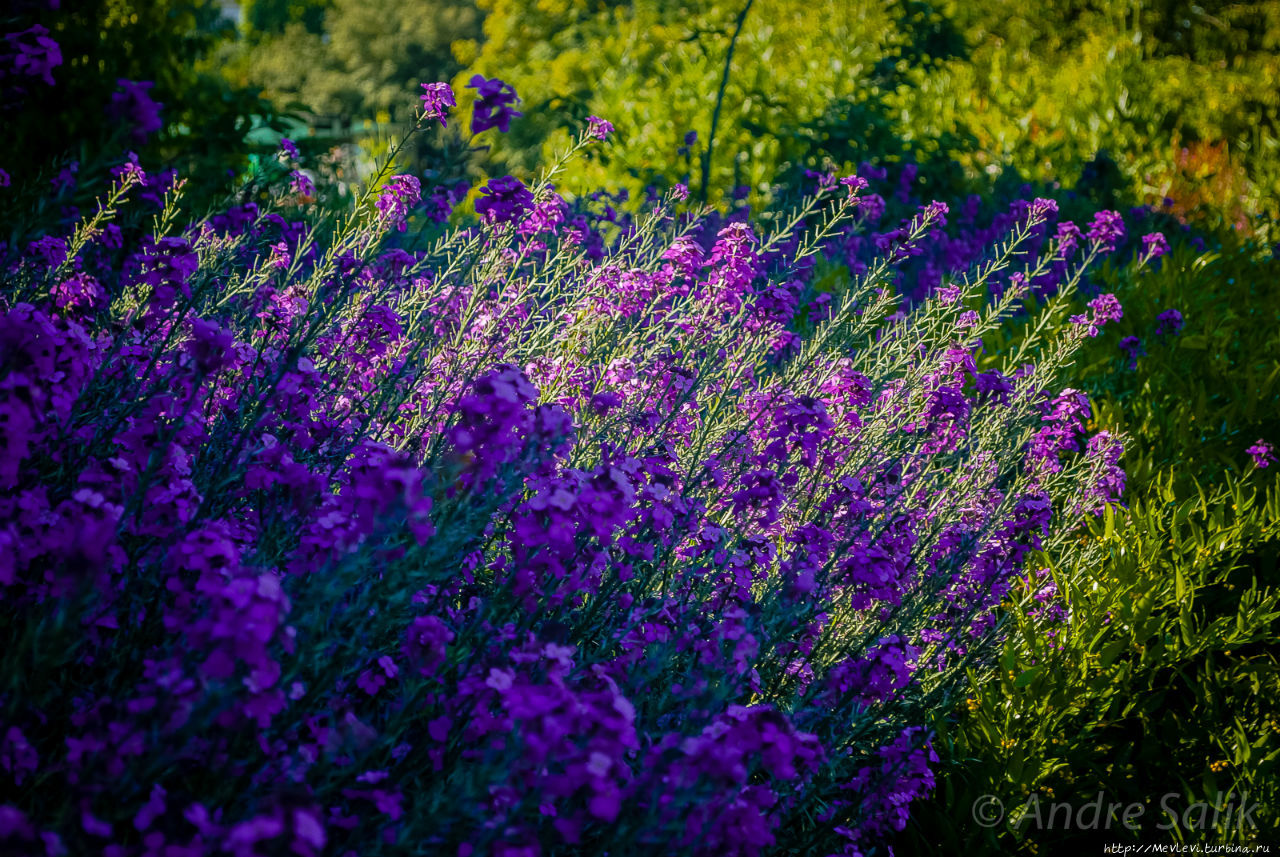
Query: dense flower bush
541, 539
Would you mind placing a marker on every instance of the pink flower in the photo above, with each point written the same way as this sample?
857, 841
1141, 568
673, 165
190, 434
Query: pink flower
436, 99
1262, 453
599, 128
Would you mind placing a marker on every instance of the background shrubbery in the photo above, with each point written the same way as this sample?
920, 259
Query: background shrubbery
1175, 98
164, 49
1162, 682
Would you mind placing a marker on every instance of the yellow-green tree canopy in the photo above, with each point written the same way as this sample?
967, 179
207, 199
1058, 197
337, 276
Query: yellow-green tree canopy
656, 68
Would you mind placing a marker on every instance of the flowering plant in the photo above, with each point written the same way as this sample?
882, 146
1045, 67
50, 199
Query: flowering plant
526, 542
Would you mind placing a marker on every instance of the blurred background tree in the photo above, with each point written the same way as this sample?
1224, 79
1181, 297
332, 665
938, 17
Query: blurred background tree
351, 59
1182, 97
203, 119
1139, 100
802, 75
1179, 98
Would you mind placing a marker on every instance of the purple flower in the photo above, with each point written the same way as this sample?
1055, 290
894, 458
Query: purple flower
993, 386
1132, 348
32, 53
1063, 426
1262, 453
289, 149
1106, 308
1169, 321
5, 181
17, 756
65, 180
426, 642
1106, 229
375, 677
599, 128
504, 200
210, 345
131, 103
400, 194
937, 212
443, 199
1106, 450
1042, 209
826, 180
155, 806
77, 292
437, 98
872, 206
855, 184
280, 258
493, 105
1154, 245
1068, 238
130, 170
50, 250
301, 184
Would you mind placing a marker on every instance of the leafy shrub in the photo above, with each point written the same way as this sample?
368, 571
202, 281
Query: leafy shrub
1179, 100
350, 60
1154, 694
1159, 682
123, 74
717, 95
531, 539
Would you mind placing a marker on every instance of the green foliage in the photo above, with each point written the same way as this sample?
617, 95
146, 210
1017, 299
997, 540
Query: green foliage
275, 16
352, 59
1180, 101
799, 72
1184, 100
1162, 684
1163, 679
1197, 399
169, 42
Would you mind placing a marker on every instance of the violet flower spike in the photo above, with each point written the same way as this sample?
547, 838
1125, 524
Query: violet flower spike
1154, 245
437, 98
493, 105
599, 128
1263, 454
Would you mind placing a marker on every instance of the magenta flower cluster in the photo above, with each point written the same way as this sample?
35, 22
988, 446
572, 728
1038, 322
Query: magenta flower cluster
31, 53
437, 98
132, 105
1262, 453
599, 128
964, 235
1169, 322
